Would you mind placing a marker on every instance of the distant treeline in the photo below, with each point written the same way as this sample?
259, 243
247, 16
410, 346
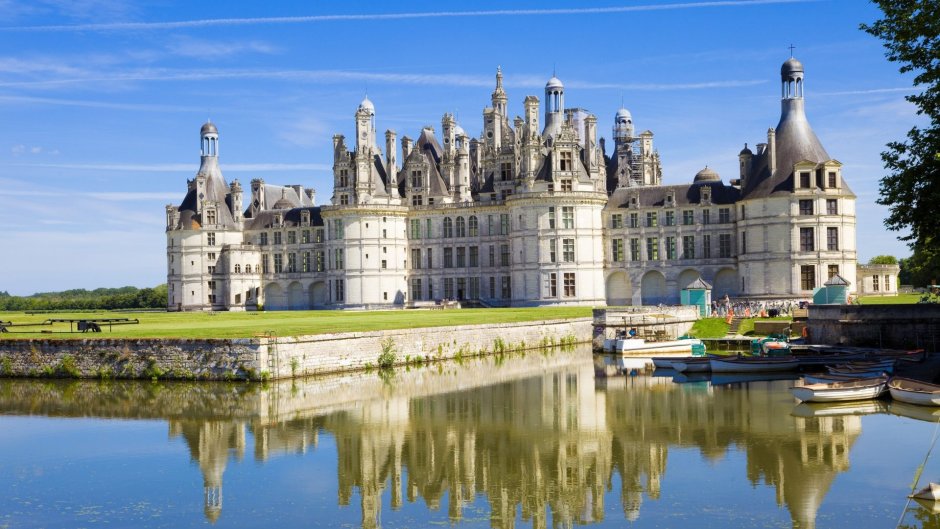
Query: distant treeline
81, 299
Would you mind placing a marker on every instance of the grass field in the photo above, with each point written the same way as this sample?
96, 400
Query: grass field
900, 299
283, 323
717, 328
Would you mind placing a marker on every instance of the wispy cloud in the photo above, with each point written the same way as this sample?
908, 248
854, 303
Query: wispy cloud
141, 107
908, 89
177, 167
340, 76
185, 46
200, 23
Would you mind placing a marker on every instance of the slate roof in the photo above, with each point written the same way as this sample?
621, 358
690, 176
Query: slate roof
265, 219
685, 195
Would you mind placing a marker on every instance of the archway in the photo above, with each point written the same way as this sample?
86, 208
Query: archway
653, 288
274, 298
295, 296
619, 291
318, 294
687, 277
726, 283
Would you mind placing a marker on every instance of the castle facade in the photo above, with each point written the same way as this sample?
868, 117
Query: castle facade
533, 212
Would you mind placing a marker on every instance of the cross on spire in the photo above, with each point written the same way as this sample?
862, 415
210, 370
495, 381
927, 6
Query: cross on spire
791, 50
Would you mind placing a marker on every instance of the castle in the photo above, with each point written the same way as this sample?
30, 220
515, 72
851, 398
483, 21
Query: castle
533, 212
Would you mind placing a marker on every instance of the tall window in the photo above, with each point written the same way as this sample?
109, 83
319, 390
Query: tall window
416, 288
651, 220
415, 228
875, 283
263, 239
448, 257
724, 215
505, 171
503, 255
569, 284
652, 249
567, 217
670, 218
833, 270
551, 217
291, 262
473, 226
506, 285
448, 230
743, 242
706, 217
552, 285
320, 264
416, 258
634, 249
427, 229
210, 239
831, 179
277, 237
461, 257
306, 262
338, 259
474, 256
688, 217
305, 237
634, 220
616, 250
832, 206
806, 207
292, 237
552, 250
210, 216
807, 244
808, 277
832, 238
724, 245
616, 221
688, 247
340, 288
492, 253
278, 263
707, 246
567, 250
805, 179
461, 227
564, 161
504, 223
670, 247
339, 231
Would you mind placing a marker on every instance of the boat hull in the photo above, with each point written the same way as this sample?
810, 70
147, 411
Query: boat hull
689, 366
641, 346
752, 365
840, 391
914, 392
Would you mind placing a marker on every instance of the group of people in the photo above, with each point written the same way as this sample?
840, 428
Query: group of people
725, 307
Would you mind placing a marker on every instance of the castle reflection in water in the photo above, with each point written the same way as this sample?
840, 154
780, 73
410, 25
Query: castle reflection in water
537, 433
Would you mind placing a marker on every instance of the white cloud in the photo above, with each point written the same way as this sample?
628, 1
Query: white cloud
143, 107
179, 167
213, 49
132, 26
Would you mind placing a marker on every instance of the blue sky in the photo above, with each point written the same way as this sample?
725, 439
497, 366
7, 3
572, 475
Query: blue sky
101, 101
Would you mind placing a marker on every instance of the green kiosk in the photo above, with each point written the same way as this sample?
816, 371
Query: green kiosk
698, 293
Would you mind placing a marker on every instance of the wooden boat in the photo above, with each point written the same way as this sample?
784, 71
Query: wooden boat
641, 346
931, 492
693, 365
914, 391
828, 378
863, 389
723, 379
752, 365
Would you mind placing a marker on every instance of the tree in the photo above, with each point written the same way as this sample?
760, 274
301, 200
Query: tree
883, 260
910, 30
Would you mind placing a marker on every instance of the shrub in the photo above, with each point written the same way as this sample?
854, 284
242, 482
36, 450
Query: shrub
387, 357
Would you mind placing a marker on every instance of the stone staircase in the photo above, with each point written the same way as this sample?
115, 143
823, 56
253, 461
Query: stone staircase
735, 323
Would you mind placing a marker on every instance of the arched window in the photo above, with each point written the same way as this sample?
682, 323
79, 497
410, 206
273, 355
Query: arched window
238, 269
474, 226
461, 227
448, 228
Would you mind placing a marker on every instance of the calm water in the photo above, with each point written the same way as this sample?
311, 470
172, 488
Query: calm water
512, 442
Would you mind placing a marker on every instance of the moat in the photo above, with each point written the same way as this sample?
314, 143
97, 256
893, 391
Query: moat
502, 441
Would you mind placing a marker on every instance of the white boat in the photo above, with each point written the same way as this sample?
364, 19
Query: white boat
914, 391
931, 492
820, 378
752, 365
641, 346
693, 365
863, 389
665, 362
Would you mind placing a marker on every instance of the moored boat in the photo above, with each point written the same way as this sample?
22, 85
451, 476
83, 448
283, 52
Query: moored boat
828, 378
692, 365
863, 389
641, 346
931, 492
752, 365
914, 391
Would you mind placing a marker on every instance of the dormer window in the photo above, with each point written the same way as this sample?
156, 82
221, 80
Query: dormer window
566, 184
634, 202
305, 218
670, 199
805, 179
416, 179
278, 220
210, 216
706, 195
564, 161
832, 179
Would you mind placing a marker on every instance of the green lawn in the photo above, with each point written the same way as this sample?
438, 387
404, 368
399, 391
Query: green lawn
285, 323
900, 299
709, 328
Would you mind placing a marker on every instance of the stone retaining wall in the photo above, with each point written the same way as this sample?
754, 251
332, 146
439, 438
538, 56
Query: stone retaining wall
889, 326
224, 359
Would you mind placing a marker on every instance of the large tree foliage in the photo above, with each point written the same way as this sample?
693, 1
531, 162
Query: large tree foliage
910, 30
81, 299
883, 260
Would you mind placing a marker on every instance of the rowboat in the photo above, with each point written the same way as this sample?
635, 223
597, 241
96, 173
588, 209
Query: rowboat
930, 492
641, 346
752, 365
914, 391
693, 365
828, 378
863, 389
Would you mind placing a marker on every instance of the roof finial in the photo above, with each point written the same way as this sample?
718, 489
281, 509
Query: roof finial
791, 50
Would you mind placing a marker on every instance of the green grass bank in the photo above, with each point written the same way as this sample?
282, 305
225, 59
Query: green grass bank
209, 325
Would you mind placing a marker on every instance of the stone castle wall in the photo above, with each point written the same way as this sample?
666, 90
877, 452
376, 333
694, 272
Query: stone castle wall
227, 359
889, 326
